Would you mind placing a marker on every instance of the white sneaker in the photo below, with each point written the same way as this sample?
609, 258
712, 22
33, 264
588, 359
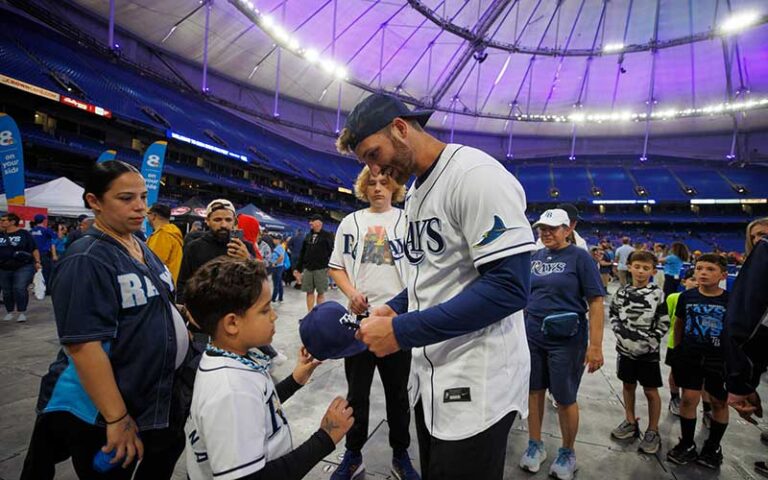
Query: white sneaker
22, 318
8, 317
280, 358
533, 457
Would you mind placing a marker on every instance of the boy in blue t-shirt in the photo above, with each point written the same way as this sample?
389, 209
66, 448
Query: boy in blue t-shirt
699, 363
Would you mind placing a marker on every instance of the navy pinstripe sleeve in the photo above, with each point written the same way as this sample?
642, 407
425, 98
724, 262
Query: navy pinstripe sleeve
501, 290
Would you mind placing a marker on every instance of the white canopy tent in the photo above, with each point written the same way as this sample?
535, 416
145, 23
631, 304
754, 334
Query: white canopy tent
62, 197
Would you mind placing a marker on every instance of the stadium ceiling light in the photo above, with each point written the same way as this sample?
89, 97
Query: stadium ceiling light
283, 38
613, 47
739, 21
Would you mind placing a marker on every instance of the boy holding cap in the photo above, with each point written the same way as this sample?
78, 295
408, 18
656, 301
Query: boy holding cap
468, 247
236, 427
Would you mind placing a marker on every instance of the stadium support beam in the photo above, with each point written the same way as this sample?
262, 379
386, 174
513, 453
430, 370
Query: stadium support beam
651, 100
585, 78
208, 6
559, 68
111, 25
492, 13
532, 59
398, 50
620, 63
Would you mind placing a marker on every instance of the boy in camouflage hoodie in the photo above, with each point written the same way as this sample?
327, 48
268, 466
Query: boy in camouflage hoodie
638, 318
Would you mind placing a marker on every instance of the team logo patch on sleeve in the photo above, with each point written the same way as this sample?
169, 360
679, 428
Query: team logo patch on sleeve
497, 230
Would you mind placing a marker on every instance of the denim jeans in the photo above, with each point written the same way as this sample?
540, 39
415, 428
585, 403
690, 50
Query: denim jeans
277, 283
15, 284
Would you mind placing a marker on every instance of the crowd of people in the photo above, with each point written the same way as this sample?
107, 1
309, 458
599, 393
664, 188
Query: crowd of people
468, 321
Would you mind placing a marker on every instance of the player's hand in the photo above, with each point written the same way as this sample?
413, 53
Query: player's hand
304, 366
358, 303
237, 249
338, 419
383, 311
746, 406
594, 358
377, 333
124, 436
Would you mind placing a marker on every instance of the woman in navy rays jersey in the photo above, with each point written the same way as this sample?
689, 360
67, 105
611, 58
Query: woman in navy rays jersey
110, 387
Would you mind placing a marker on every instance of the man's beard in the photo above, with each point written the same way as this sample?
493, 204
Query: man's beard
222, 235
401, 164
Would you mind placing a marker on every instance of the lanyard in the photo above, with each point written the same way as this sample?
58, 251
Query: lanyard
254, 360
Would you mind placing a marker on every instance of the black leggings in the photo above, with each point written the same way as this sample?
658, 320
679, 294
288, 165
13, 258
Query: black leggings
60, 435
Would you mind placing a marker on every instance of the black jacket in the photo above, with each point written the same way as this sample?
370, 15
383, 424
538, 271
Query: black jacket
196, 254
315, 256
744, 335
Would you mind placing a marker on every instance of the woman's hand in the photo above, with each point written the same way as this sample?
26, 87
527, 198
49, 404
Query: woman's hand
124, 436
594, 359
304, 367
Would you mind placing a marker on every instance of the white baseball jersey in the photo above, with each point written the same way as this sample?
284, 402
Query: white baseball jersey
369, 247
236, 423
470, 211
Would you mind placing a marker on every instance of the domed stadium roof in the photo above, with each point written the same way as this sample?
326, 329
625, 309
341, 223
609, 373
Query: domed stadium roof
540, 67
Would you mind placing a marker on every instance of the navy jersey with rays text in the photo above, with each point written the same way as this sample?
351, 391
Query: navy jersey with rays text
101, 294
704, 318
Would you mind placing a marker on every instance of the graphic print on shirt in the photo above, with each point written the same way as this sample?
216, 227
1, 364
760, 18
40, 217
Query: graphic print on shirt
376, 247
704, 323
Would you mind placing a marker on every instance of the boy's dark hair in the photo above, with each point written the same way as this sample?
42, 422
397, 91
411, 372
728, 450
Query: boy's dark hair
162, 210
13, 218
688, 274
715, 258
642, 256
223, 285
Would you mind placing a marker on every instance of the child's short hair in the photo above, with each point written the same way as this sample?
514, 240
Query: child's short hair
688, 274
715, 258
642, 256
223, 285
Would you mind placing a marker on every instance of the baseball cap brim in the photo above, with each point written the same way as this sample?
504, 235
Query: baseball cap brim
421, 116
550, 222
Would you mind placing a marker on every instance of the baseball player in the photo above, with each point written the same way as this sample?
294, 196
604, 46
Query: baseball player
468, 247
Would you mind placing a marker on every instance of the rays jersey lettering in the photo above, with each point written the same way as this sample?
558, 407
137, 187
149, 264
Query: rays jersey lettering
135, 292
424, 236
542, 269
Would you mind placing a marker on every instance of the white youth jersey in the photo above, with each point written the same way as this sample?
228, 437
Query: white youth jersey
236, 423
470, 211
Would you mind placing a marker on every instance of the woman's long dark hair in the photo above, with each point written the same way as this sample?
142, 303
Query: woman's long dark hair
102, 175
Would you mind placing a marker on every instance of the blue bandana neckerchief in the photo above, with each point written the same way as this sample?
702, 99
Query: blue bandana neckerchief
254, 360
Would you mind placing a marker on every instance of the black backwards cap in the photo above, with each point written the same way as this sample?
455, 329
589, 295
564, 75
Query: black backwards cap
375, 113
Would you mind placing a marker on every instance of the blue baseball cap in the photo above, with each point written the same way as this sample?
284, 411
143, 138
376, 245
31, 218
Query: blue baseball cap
375, 113
328, 332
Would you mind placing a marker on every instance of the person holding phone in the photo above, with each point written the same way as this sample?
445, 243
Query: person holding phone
222, 238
